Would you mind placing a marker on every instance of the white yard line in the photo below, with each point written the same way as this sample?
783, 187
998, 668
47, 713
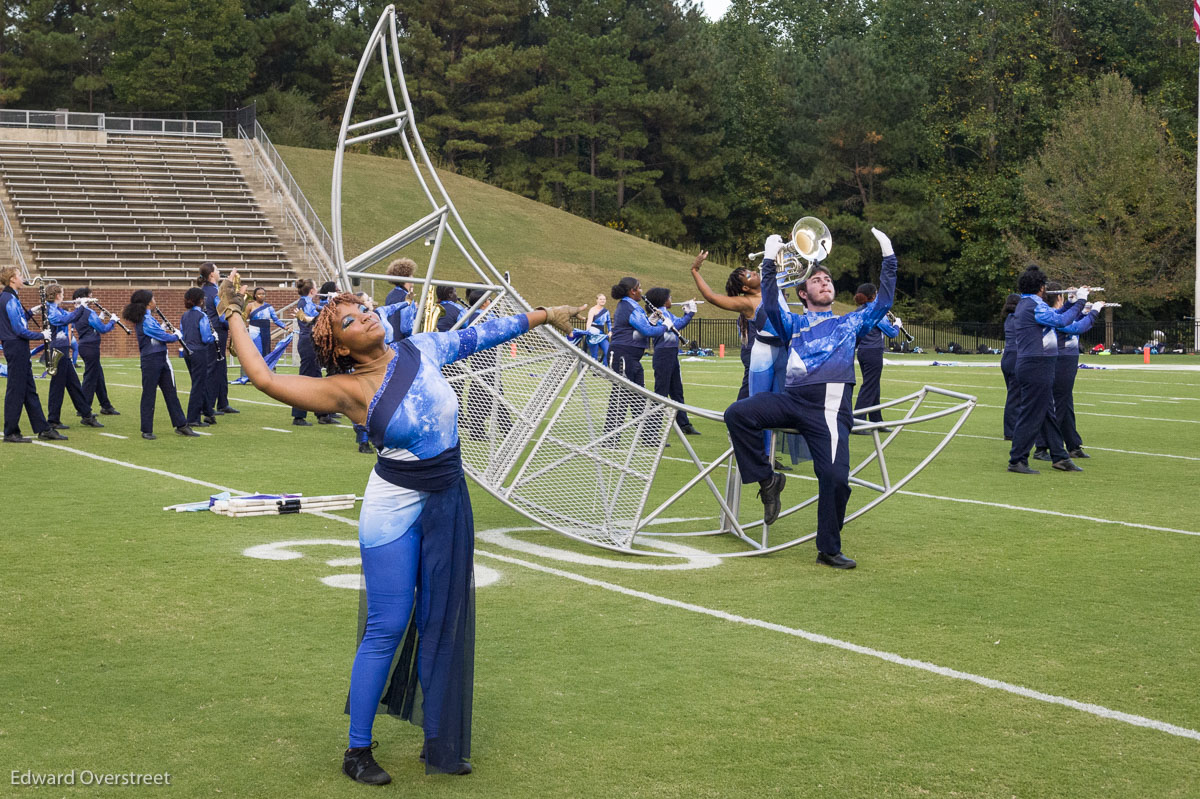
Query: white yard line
986, 682
1088, 446
276, 430
113, 435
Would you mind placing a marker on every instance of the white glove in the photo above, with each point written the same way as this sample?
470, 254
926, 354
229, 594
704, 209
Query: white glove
1081, 293
772, 247
1098, 306
897, 322
885, 243
668, 322
689, 306
46, 336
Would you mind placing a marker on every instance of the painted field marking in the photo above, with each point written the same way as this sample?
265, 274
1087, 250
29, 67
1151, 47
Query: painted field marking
112, 435
986, 682
816, 638
1089, 446
201, 433
276, 430
239, 399
1000, 387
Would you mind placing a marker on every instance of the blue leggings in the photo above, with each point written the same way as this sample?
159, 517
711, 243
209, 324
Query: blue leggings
390, 572
599, 351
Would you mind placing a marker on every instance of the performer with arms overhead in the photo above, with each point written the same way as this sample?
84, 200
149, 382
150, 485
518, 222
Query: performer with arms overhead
416, 532
743, 293
816, 396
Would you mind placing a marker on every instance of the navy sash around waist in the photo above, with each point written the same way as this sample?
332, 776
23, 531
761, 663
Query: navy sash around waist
774, 341
431, 474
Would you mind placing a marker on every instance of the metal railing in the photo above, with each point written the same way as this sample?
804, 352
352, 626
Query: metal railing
164, 127
317, 228
78, 120
14, 250
60, 120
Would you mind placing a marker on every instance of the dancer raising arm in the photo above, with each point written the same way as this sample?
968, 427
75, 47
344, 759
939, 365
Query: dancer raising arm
416, 532
743, 294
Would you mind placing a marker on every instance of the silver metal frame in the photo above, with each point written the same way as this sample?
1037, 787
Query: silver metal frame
442, 222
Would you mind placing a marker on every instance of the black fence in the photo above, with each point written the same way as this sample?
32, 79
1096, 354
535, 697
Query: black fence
981, 337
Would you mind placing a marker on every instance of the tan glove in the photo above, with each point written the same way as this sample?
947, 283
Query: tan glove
231, 300
560, 317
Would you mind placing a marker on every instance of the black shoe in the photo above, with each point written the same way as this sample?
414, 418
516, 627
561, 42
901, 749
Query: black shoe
149, 436
227, 409
186, 431
1041, 454
110, 412
688, 430
327, 419
59, 426
860, 432
1067, 465
16, 438
197, 424
301, 423
365, 447
1079, 453
359, 765
769, 494
1021, 467
779, 467
92, 421
838, 561
218, 413
1008, 438
210, 420
51, 434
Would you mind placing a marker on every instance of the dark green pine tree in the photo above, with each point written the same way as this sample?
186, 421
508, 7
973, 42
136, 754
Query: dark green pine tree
39, 53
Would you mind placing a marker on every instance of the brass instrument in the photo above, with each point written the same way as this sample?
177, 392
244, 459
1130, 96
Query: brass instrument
51, 354
891, 318
809, 244
433, 309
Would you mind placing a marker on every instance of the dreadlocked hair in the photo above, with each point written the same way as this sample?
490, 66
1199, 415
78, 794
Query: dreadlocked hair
735, 286
324, 341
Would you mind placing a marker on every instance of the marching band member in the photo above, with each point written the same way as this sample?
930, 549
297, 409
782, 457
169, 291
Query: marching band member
262, 315
870, 357
447, 297
599, 330
306, 313
665, 359
1008, 366
1037, 356
198, 334
416, 532
1065, 369
19, 389
401, 267
743, 293
631, 330
65, 377
218, 372
816, 397
156, 365
88, 332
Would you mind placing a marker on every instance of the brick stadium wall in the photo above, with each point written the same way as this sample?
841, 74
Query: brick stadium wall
170, 301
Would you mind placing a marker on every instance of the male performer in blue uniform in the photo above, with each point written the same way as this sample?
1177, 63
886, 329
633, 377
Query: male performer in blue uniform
19, 389
88, 331
1035, 326
816, 395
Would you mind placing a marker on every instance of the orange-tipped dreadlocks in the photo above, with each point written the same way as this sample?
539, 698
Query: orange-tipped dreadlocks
323, 339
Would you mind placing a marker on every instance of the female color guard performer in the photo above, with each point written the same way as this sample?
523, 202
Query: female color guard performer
19, 388
743, 293
87, 332
1008, 366
870, 357
261, 316
202, 348
667, 380
631, 330
65, 378
416, 532
1065, 369
599, 330
156, 365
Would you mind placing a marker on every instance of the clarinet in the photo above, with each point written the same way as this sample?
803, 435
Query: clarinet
171, 329
102, 309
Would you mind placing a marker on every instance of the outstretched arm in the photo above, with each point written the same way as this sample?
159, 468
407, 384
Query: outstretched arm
454, 345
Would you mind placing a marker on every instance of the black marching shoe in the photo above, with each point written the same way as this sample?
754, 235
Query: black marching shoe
228, 409
1067, 465
688, 430
218, 412
184, 430
1040, 454
301, 422
17, 438
1021, 467
197, 424
359, 765
92, 421
149, 436
779, 467
769, 494
365, 447
109, 412
838, 561
50, 434
210, 420
1079, 453
59, 426
326, 419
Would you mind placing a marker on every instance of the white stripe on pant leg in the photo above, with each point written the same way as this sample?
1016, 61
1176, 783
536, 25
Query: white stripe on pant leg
833, 405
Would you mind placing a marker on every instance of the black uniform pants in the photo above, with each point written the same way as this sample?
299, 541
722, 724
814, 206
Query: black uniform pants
1012, 399
871, 363
93, 376
1035, 380
66, 379
309, 367
157, 375
668, 382
20, 391
199, 364
626, 361
218, 375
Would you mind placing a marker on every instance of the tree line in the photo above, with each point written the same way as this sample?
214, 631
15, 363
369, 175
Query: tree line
981, 136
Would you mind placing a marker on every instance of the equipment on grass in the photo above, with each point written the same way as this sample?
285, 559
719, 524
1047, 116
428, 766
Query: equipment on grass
281, 505
552, 433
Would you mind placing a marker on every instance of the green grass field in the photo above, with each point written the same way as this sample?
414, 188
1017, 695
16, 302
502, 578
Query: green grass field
136, 640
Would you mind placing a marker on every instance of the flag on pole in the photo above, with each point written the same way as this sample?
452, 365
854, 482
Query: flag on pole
1196, 18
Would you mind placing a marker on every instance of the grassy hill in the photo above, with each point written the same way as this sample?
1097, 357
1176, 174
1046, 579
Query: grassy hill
552, 256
